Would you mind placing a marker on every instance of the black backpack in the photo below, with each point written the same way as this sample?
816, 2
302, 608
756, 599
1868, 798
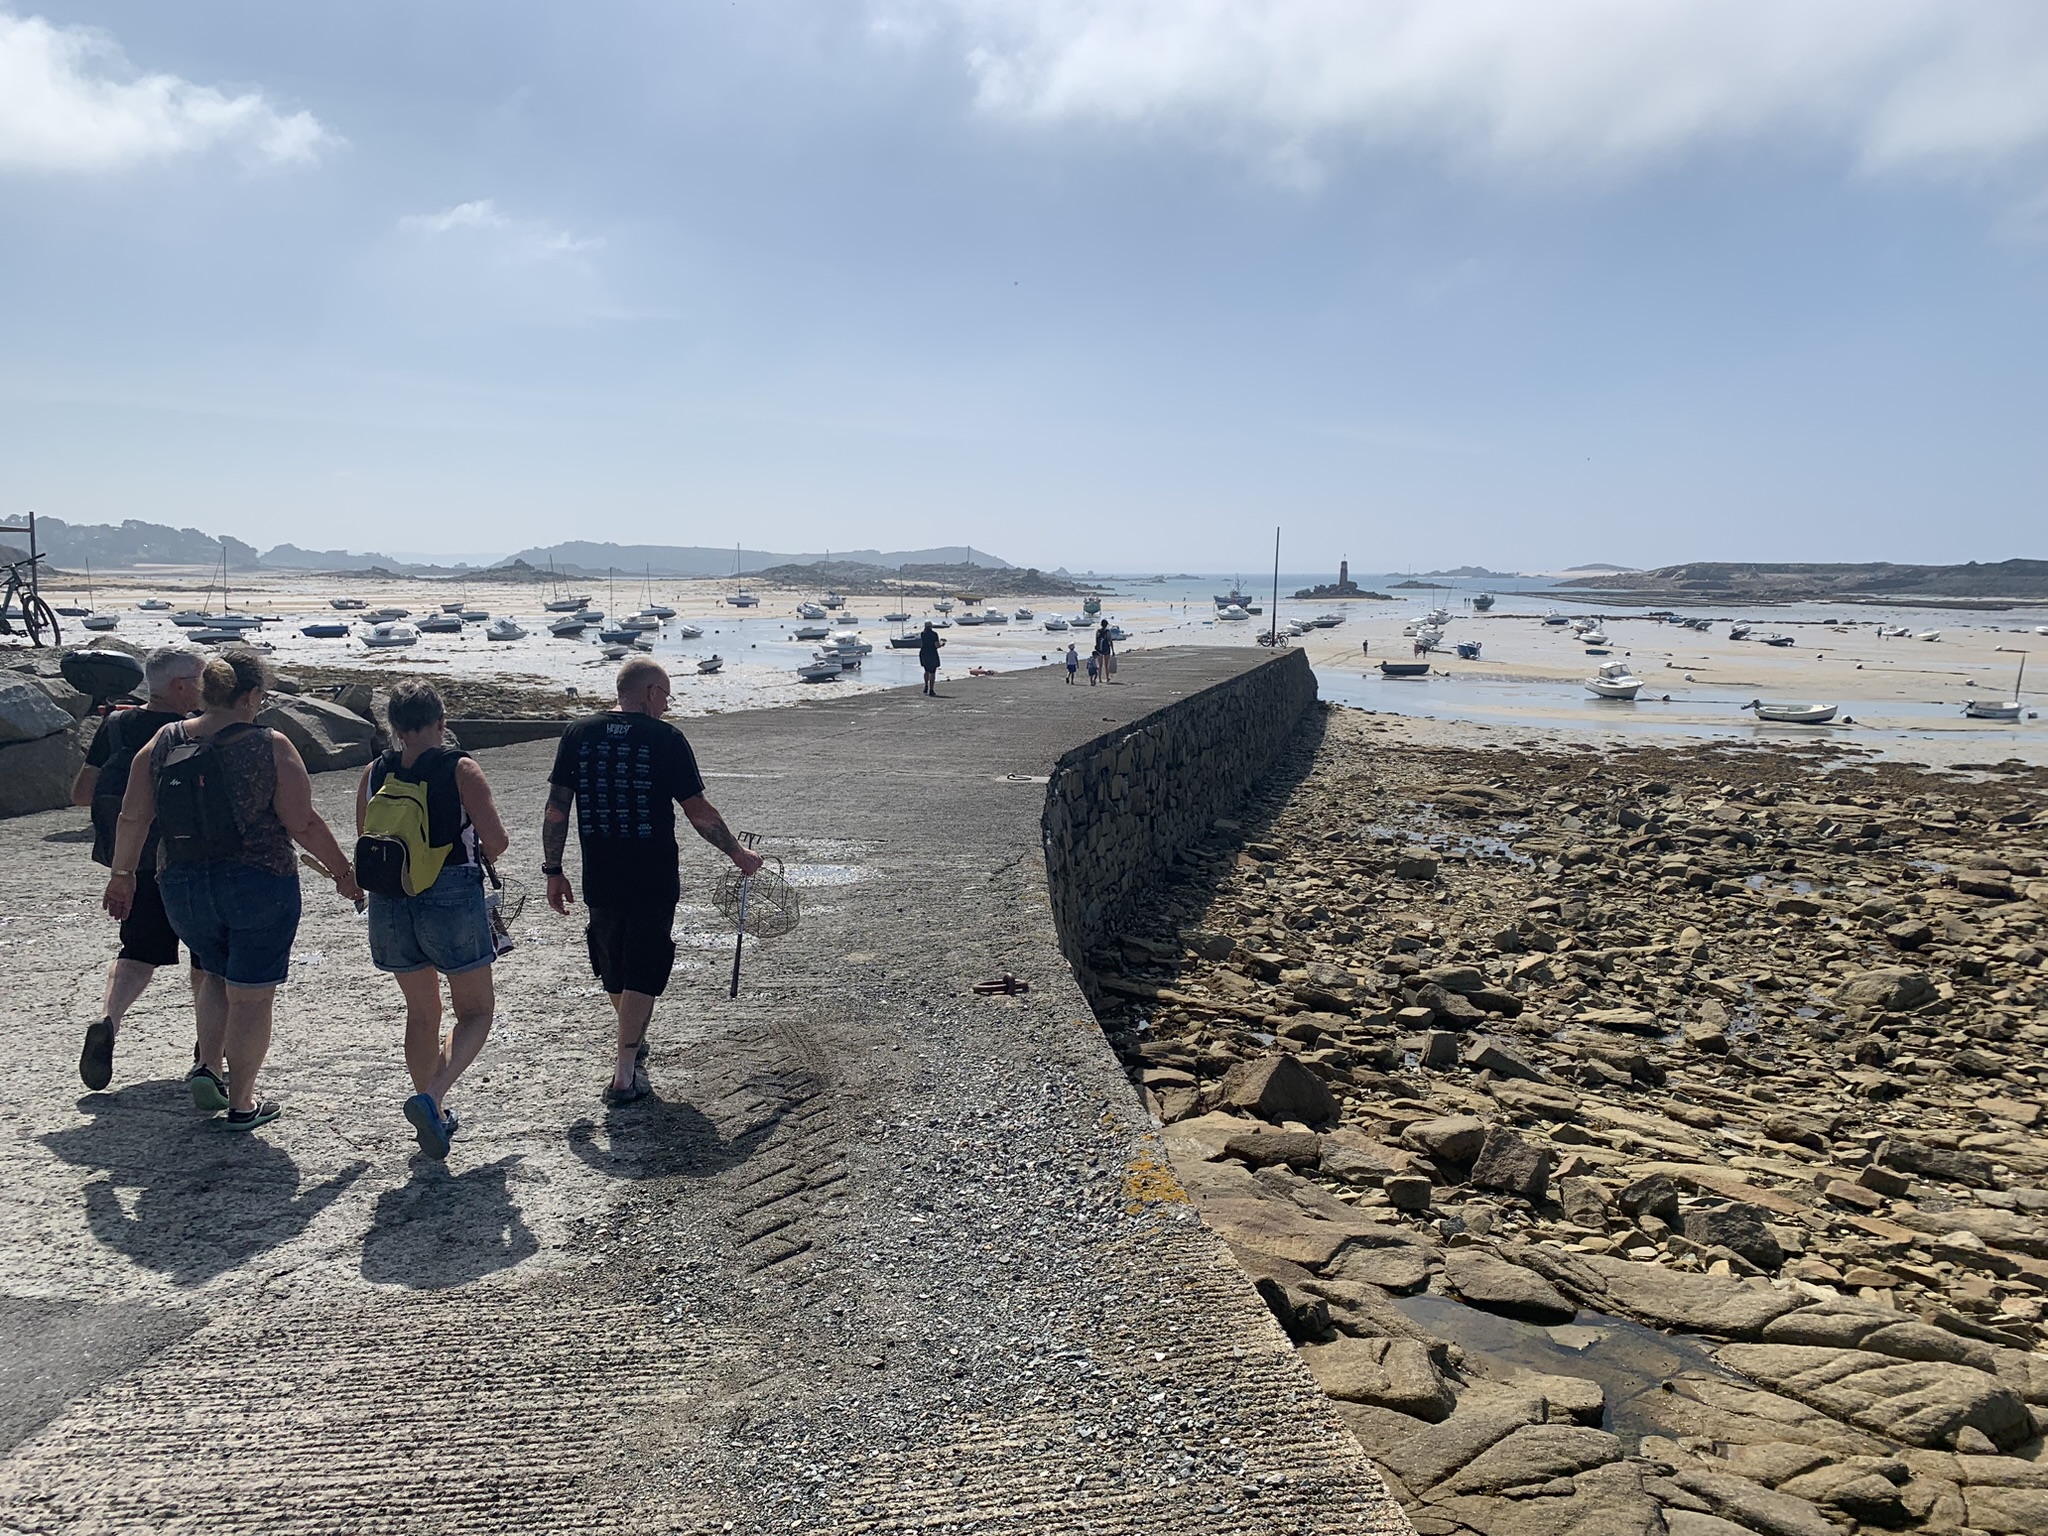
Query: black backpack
195, 813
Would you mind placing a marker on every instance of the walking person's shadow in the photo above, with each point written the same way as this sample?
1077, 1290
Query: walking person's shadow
184, 1197
443, 1230
656, 1138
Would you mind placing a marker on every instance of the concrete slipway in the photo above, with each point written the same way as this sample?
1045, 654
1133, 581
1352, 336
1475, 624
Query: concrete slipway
881, 1254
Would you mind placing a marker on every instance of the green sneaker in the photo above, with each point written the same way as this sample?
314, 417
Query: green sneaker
209, 1091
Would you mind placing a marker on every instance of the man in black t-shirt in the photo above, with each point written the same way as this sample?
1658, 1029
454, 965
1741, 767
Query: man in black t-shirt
172, 677
624, 773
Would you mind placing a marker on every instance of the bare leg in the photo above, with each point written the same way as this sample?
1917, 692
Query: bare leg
422, 989
475, 1000
125, 981
636, 1012
210, 1008
248, 1040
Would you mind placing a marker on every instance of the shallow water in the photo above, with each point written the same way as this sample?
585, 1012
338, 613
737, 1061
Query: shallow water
1626, 1358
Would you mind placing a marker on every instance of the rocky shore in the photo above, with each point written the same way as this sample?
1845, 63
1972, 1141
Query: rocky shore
1647, 1141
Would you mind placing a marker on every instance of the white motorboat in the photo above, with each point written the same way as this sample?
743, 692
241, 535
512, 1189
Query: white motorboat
640, 621
941, 622
995, 616
153, 605
345, 604
689, 632
846, 641
1056, 625
504, 629
1928, 634
969, 619
1327, 620
847, 660
943, 604
710, 664
812, 632
385, 637
1023, 615
1232, 614
1793, 714
1482, 602
1594, 636
1615, 681
441, 624
1555, 619
849, 620
568, 626
895, 618
1738, 631
819, 671
809, 611
1118, 634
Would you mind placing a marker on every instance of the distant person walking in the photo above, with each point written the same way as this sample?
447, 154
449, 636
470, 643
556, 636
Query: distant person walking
624, 773
426, 826
1073, 663
147, 939
928, 644
1105, 651
228, 798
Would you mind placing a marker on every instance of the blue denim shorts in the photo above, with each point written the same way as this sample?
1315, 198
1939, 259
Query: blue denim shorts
237, 920
444, 927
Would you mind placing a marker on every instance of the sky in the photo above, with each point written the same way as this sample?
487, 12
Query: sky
1110, 284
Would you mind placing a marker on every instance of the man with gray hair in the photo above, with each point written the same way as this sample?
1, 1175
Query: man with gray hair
172, 677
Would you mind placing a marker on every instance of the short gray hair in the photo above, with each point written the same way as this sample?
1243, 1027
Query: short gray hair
166, 665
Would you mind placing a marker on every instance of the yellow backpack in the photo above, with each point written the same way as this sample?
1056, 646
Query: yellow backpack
397, 855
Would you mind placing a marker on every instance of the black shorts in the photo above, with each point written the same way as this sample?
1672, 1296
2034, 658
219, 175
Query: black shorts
146, 933
632, 949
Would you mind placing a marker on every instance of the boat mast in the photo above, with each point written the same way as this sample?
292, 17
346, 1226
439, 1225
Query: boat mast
1273, 633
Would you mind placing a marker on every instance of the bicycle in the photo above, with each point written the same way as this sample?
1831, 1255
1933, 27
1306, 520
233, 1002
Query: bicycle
21, 600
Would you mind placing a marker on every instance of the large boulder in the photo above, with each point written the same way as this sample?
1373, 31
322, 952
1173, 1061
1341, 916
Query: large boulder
1278, 1088
1887, 989
37, 775
27, 712
1391, 1373
328, 737
1448, 1138
1510, 1162
1738, 1227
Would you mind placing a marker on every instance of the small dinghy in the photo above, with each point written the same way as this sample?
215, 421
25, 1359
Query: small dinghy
1781, 641
689, 632
1056, 626
1975, 709
1468, 650
709, 665
809, 611
504, 629
1404, 669
1614, 681
1793, 714
325, 631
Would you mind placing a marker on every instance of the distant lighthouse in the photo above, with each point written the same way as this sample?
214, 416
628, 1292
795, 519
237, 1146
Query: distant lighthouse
1343, 574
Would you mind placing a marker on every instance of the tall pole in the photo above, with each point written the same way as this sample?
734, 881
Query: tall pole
1273, 632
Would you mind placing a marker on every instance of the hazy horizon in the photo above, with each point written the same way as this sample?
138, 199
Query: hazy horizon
1079, 281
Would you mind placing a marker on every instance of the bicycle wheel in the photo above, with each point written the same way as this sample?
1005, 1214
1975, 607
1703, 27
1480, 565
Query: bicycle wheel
36, 617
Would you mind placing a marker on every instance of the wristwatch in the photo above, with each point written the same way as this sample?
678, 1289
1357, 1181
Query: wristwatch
122, 874
551, 869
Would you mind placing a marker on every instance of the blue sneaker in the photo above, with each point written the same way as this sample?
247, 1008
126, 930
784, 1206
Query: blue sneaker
425, 1118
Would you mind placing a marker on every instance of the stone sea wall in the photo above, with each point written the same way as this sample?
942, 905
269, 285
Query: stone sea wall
1118, 808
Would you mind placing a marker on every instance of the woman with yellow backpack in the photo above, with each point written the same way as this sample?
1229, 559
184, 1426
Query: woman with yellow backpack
427, 827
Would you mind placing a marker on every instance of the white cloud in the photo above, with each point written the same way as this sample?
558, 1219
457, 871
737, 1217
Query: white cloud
1561, 88
70, 102
518, 239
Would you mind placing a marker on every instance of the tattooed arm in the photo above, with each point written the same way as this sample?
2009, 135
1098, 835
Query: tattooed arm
702, 815
554, 838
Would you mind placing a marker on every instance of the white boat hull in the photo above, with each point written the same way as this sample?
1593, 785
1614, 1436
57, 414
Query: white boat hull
1985, 709
1603, 688
1796, 714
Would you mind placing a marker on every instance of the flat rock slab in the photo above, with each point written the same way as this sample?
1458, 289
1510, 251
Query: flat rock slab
1494, 1285
1533, 1454
1388, 1373
1920, 1402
